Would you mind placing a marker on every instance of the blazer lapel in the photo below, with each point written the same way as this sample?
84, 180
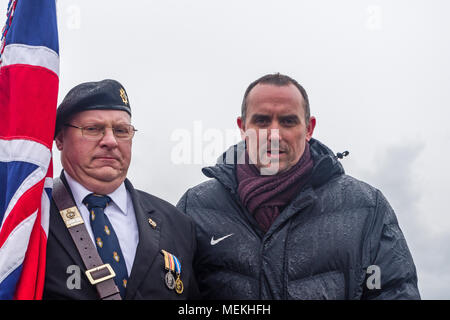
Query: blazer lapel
148, 246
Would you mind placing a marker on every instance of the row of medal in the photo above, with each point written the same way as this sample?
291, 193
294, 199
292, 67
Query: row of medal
173, 267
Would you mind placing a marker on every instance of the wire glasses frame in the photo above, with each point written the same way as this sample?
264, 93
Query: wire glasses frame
97, 132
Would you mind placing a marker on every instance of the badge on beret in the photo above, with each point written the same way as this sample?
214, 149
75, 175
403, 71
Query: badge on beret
123, 95
173, 266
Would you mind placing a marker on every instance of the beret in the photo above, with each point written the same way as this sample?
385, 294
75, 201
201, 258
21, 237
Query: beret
100, 95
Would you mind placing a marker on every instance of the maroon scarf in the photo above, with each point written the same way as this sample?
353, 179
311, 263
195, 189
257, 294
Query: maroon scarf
266, 196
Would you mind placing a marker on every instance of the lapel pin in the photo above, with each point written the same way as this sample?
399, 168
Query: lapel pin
152, 223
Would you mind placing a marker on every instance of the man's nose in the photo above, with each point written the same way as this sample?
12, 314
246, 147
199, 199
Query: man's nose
273, 132
108, 139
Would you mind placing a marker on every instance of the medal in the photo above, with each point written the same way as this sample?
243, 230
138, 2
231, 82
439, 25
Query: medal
173, 266
179, 287
170, 267
170, 280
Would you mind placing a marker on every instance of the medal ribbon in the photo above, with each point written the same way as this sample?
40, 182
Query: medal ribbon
168, 261
171, 262
177, 265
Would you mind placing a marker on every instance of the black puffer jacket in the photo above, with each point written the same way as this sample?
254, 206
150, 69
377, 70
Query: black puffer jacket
319, 247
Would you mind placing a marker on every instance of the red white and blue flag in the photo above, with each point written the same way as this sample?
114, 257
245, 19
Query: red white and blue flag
29, 69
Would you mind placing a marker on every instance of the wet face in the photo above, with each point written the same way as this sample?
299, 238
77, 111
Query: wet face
102, 165
275, 118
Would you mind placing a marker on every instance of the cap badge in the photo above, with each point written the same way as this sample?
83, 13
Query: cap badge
123, 95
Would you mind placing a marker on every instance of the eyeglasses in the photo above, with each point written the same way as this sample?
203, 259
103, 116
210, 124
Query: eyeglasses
96, 132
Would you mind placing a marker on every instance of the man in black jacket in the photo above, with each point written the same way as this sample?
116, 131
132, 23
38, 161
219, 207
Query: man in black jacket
145, 244
281, 220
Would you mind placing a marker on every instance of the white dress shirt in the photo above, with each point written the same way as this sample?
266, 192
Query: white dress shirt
120, 213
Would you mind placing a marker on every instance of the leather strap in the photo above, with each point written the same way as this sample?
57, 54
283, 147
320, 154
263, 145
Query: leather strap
98, 273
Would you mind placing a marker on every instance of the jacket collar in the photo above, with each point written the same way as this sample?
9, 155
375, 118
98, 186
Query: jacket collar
326, 167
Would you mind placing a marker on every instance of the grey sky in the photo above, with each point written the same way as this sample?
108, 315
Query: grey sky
377, 74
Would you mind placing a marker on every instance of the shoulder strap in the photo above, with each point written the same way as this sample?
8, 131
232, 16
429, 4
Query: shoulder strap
99, 274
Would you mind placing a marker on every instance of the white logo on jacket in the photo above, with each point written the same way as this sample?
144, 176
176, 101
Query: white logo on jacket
214, 242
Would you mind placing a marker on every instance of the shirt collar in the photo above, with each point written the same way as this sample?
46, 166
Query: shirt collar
79, 192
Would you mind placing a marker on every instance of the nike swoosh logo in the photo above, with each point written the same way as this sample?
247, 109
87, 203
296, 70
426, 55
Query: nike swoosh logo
216, 241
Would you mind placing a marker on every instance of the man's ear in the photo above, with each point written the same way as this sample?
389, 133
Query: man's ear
59, 140
310, 128
241, 126
240, 123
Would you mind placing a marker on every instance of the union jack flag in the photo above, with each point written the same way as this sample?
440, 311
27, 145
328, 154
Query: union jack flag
29, 78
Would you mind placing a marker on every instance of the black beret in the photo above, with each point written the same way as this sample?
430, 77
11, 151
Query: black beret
101, 95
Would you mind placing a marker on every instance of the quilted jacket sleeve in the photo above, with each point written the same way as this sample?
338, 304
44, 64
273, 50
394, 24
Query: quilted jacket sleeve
181, 205
392, 274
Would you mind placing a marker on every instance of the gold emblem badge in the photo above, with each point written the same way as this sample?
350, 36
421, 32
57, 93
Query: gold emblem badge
123, 95
152, 223
70, 214
99, 242
116, 256
71, 217
107, 231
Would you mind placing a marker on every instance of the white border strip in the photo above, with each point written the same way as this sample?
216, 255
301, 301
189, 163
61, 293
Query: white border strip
41, 56
27, 151
12, 253
45, 206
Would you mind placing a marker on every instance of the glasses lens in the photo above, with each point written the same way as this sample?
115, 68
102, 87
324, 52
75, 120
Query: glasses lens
95, 132
124, 131
92, 131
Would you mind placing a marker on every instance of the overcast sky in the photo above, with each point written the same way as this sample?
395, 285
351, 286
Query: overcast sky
377, 74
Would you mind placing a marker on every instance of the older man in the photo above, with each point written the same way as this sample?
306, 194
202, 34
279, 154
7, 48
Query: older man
281, 220
121, 243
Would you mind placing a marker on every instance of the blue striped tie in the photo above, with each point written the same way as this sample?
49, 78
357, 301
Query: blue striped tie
106, 240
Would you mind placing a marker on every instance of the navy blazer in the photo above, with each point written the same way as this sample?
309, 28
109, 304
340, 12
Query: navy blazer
174, 232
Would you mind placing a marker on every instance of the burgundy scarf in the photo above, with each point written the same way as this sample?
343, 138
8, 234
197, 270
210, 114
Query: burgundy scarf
266, 196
